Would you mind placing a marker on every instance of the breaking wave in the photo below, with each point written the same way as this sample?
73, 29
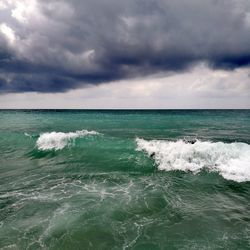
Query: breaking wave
231, 160
58, 140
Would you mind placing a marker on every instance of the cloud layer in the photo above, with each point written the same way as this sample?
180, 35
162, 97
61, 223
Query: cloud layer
201, 87
56, 46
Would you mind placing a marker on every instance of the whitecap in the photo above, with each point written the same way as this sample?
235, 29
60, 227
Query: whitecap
59, 140
231, 160
28, 135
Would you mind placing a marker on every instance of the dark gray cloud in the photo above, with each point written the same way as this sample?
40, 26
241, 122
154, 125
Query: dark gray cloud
55, 46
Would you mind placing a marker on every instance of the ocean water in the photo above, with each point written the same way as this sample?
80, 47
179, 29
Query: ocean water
125, 179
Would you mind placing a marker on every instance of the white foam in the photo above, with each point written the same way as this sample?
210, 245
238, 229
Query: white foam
58, 140
231, 160
28, 135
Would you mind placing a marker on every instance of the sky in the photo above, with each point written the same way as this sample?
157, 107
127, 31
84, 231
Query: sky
124, 54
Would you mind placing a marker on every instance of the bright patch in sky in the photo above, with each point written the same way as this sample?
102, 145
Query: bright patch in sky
8, 33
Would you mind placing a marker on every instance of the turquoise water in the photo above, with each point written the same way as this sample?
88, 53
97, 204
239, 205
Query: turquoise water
125, 179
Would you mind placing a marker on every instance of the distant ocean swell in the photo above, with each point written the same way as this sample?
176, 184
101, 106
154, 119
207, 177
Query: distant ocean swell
230, 160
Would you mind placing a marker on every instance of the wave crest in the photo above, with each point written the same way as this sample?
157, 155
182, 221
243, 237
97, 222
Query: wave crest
231, 160
58, 140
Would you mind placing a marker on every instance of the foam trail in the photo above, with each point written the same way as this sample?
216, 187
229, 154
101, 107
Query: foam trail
231, 160
58, 140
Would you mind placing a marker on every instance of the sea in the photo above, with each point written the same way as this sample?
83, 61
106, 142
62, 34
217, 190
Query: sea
125, 179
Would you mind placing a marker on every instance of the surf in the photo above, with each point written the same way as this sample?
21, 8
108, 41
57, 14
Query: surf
59, 140
230, 160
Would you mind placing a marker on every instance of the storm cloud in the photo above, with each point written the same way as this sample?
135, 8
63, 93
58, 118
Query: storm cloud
56, 46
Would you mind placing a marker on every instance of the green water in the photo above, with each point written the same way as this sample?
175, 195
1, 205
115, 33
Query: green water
107, 190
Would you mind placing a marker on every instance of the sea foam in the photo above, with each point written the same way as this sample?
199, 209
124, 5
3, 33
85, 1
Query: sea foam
231, 160
58, 140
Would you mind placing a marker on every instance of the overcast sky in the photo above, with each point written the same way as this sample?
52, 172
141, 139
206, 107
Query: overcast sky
125, 54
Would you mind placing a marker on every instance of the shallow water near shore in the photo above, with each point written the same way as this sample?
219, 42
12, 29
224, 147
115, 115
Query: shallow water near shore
125, 179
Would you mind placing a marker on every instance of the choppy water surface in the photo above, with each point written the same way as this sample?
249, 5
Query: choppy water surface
124, 179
